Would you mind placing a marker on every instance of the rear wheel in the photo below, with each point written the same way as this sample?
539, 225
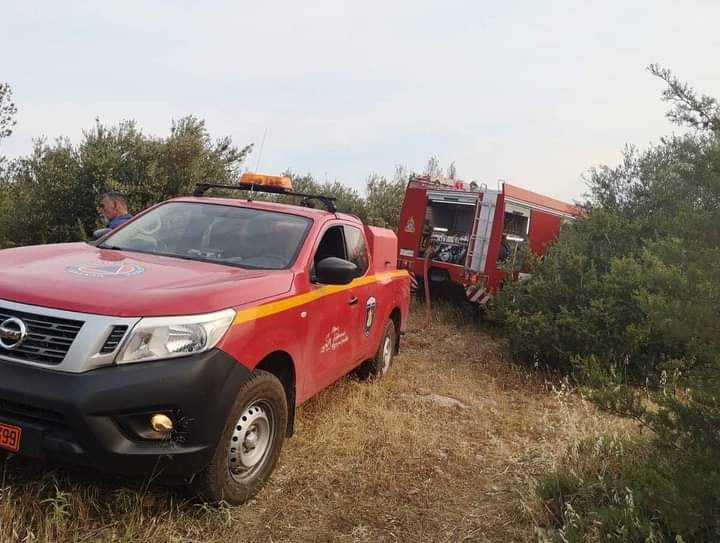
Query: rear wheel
381, 362
250, 443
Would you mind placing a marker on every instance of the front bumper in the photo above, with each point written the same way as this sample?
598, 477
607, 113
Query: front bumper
92, 418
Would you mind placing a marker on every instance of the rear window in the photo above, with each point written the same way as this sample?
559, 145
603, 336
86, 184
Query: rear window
236, 236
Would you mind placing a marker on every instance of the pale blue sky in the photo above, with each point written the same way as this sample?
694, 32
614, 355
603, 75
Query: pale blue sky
531, 92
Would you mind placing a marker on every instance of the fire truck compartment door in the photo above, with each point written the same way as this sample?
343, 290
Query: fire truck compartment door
469, 199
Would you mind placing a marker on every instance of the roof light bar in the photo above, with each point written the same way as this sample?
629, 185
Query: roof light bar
282, 181
327, 201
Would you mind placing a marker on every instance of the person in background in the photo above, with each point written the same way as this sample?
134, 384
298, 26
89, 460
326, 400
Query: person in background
113, 207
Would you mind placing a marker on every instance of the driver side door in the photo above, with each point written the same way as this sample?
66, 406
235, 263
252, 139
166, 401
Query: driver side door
333, 342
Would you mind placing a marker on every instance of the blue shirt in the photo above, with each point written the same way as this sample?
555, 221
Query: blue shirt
117, 221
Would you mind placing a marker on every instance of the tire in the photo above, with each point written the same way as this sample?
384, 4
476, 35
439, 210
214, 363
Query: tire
380, 364
249, 445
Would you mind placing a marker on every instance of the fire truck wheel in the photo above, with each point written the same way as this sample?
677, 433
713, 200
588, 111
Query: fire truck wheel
381, 362
250, 443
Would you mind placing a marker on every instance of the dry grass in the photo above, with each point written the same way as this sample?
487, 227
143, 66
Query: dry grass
369, 462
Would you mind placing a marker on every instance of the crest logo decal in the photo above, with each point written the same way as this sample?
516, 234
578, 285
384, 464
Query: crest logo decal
410, 226
105, 270
369, 314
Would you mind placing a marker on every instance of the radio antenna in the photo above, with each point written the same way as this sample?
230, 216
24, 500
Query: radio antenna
257, 164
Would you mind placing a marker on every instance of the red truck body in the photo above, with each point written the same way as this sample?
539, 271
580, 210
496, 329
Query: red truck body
473, 231
80, 378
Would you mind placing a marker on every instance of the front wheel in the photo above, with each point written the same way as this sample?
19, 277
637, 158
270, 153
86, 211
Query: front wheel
250, 443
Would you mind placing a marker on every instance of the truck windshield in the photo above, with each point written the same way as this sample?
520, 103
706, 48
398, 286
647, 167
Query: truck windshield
236, 236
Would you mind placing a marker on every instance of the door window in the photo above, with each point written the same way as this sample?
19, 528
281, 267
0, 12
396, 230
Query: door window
356, 249
331, 244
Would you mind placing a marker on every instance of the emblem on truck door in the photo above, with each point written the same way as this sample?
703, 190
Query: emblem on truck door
12, 333
410, 226
369, 314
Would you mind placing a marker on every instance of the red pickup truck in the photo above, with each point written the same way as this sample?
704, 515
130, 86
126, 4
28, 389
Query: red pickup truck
179, 345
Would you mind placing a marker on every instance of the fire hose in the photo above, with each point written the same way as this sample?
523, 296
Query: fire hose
426, 281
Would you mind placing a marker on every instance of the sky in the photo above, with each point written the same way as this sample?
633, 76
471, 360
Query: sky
534, 93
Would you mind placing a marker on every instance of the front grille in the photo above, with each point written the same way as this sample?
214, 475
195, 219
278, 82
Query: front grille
28, 413
48, 339
114, 339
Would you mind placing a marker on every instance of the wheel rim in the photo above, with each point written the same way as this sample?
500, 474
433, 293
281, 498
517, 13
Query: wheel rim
387, 353
251, 440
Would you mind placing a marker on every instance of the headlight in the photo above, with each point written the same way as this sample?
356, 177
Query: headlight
169, 337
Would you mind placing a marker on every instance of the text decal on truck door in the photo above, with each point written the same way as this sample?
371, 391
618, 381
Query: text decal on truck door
334, 339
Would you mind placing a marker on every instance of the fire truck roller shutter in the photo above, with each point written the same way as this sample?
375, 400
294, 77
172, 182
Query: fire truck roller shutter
458, 198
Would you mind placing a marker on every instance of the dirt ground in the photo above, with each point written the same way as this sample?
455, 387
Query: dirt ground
384, 461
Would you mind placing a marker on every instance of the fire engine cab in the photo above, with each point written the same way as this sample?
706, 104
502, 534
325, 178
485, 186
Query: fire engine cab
177, 346
460, 233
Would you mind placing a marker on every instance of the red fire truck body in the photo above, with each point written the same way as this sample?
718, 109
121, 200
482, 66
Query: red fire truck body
472, 231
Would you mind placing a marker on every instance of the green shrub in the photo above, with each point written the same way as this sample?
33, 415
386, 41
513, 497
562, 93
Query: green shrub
652, 495
627, 302
45, 195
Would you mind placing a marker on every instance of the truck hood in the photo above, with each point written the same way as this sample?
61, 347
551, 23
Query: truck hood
81, 277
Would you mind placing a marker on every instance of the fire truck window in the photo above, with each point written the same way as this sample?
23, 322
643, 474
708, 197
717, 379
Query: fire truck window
332, 244
356, 249
515, 224
515, 234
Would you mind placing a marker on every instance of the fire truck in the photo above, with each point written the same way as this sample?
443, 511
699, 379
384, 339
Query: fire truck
464, 234
177, 347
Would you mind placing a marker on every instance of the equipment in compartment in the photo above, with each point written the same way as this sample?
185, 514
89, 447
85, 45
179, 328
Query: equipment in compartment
448, 226
451, 249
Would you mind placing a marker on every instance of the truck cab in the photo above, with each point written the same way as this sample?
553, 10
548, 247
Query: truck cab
178, 346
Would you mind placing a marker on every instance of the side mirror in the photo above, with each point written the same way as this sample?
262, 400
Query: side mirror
335, 271
97, 234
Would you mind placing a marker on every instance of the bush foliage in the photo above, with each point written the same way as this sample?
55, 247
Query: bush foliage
627, 302
51, 195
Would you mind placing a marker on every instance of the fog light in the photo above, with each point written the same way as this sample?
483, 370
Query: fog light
161, 423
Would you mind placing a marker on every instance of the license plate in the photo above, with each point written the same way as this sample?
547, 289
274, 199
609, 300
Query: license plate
10, 437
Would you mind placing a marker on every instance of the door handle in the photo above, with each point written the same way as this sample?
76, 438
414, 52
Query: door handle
353, 300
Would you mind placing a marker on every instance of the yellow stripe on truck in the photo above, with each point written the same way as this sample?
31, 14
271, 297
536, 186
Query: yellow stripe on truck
254, 313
